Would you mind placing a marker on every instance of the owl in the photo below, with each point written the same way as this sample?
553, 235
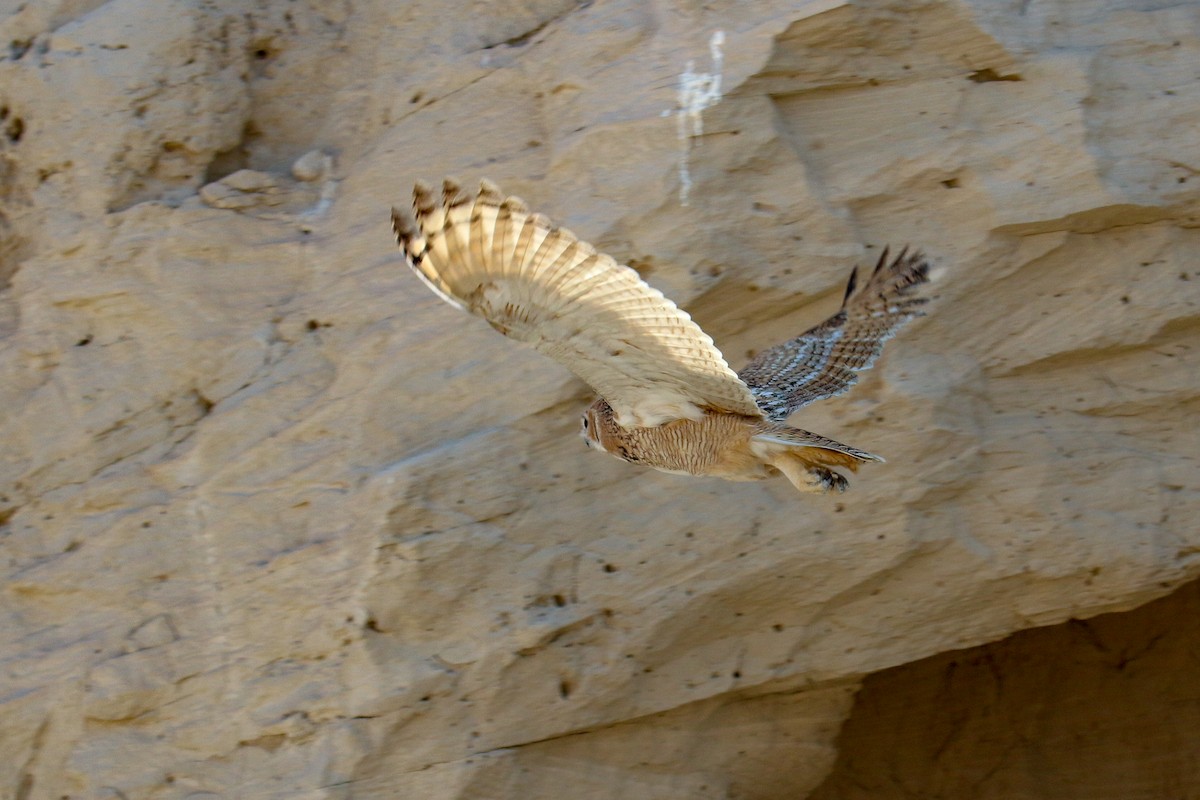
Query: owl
667, 398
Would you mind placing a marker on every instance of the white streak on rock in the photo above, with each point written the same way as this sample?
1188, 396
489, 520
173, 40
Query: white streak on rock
697, 91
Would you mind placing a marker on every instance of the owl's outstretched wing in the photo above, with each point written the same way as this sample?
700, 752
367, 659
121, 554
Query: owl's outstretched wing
825, 361
537, 283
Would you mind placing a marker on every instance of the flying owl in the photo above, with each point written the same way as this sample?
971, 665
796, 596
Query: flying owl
668, 399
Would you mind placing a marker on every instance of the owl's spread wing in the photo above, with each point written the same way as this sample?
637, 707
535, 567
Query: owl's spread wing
537, 283
826, 360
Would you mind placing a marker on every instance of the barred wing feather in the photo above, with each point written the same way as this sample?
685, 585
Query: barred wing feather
825, 361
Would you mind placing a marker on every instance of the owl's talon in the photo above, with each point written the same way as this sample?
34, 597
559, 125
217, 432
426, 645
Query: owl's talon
826, 480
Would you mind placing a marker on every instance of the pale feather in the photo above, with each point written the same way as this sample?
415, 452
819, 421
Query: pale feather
539, 284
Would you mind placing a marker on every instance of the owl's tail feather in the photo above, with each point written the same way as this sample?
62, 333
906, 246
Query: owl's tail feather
818, 449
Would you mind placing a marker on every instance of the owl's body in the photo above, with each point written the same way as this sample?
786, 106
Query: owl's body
729, 446
668, 400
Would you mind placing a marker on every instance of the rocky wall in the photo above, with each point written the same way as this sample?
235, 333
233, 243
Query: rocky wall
276, 522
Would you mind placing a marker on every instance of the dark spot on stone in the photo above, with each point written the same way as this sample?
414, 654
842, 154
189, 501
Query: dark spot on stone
989, 75
205, 404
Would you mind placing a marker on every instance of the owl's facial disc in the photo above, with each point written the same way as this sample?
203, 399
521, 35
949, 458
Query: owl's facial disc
591, 436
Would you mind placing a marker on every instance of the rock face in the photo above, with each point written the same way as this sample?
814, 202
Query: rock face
1103, 708
276, 522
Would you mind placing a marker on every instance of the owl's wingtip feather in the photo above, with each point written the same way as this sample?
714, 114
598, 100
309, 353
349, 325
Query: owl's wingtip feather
423, 202
515, 205
490, 192
452, 192
402, 224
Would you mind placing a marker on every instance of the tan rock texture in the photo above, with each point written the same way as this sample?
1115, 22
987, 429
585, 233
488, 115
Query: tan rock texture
277, 523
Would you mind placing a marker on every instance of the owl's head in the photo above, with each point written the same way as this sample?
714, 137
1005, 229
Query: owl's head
590, 427
600, 430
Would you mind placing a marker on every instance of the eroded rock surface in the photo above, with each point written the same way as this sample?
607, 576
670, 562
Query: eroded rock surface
276, 522
1102, 708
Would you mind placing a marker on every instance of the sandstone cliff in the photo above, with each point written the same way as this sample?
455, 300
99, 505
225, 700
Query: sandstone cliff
277, 523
